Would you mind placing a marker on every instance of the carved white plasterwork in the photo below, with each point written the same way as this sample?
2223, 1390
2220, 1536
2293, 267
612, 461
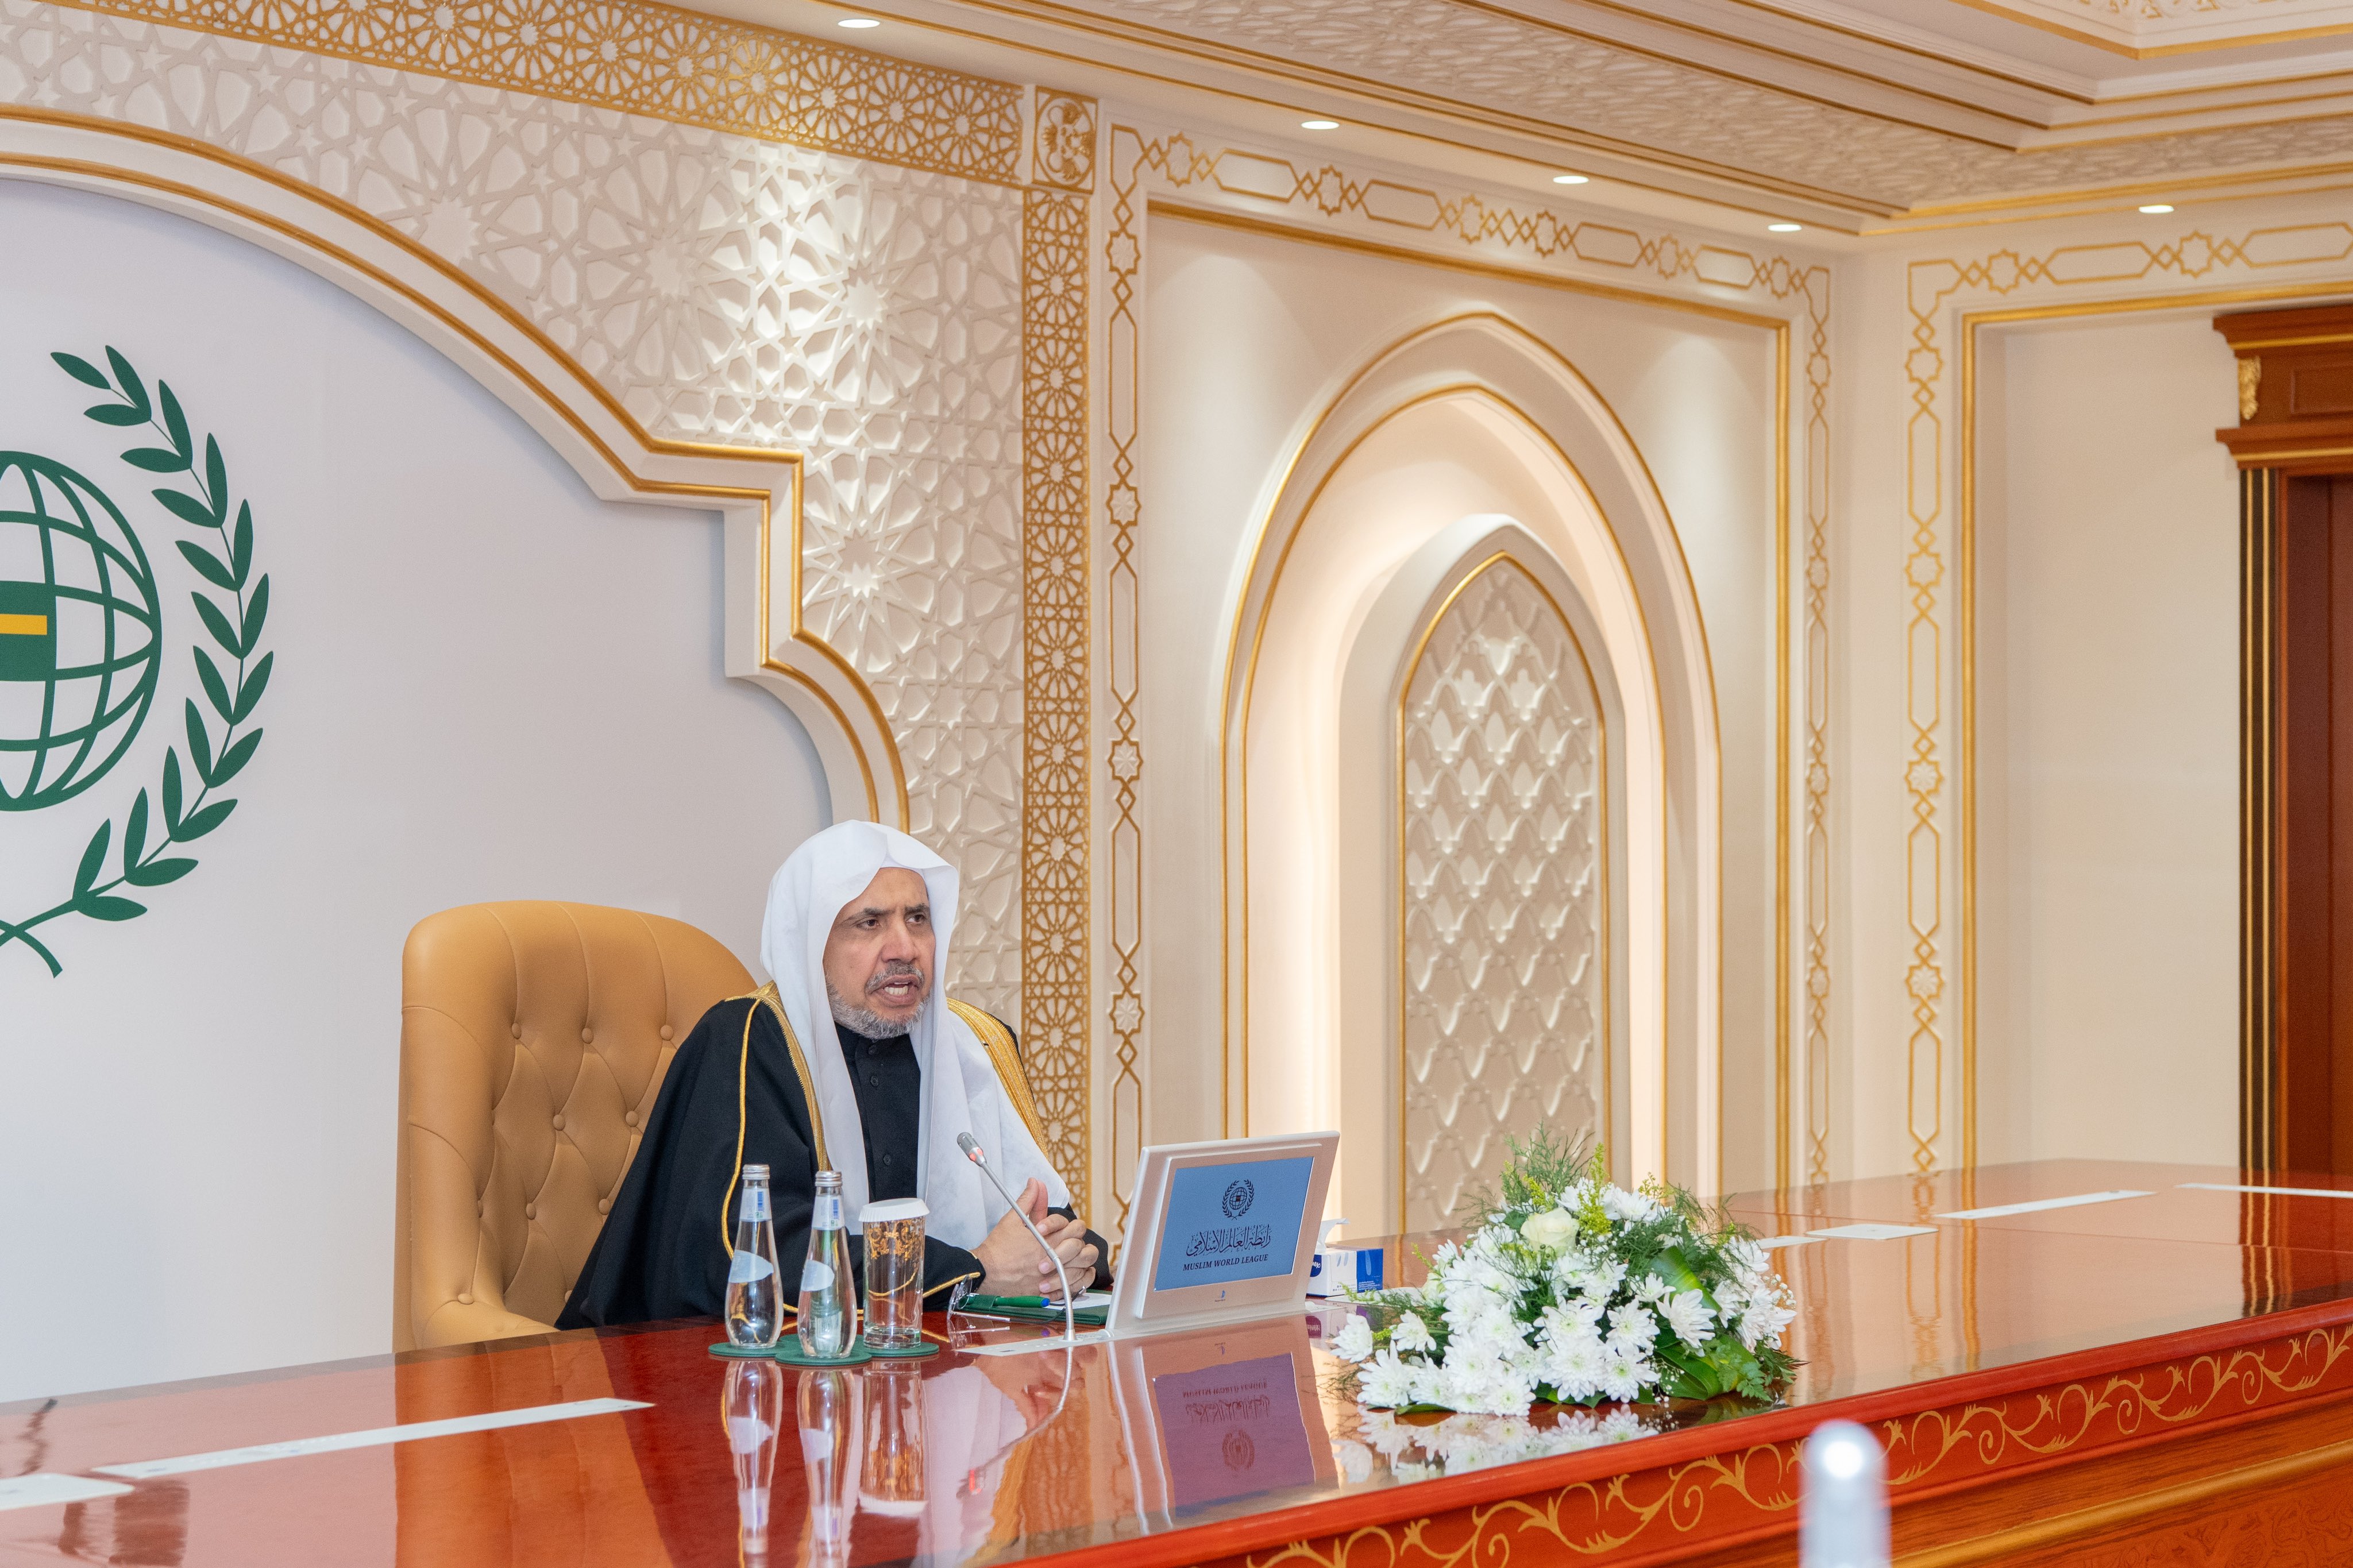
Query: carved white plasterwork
723, 287
1505, 896
1481, 56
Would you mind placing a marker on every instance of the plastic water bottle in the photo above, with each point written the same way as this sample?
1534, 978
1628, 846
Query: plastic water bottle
825, 1316
754, 1294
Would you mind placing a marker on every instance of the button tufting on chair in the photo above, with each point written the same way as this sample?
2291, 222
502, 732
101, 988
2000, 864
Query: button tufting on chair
476, 1110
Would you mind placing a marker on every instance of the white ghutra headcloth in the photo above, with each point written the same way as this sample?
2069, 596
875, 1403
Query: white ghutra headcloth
961, 1090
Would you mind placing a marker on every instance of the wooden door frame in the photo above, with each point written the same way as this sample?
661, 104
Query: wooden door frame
2295, 420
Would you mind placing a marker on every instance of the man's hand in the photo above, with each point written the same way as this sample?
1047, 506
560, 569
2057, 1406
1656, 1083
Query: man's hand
1011, 1263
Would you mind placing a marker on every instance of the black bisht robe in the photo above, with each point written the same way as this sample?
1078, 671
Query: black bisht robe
666, 1245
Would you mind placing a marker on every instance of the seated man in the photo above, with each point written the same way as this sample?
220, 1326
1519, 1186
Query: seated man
850, 1060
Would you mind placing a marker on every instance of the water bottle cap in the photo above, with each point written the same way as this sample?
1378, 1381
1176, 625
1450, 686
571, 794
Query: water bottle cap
828, 1180
755, 1173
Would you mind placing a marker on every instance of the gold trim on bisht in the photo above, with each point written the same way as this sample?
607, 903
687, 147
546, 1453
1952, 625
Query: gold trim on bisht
998, 1041
769, 994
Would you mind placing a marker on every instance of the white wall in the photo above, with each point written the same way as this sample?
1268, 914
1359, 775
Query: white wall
2108, 741
489, 684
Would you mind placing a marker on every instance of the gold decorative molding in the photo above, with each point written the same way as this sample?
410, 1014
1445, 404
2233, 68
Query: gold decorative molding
661, 61
1933, 289
1057, 694
1062, 149
2251, 387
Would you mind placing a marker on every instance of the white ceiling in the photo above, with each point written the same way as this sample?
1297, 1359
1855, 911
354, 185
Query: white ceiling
1855, 114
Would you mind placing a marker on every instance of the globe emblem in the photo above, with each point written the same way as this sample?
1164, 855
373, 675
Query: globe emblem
81, 633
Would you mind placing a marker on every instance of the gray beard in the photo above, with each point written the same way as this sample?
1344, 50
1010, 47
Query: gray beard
860, 1020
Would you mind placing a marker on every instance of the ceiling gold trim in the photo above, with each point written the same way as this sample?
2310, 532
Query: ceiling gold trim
642, 57
2133, 52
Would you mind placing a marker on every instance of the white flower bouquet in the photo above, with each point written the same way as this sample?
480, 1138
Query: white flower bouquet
1573, 1291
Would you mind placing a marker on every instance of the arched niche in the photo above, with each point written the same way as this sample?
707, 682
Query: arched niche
756, 491
1479, 748
1461, 429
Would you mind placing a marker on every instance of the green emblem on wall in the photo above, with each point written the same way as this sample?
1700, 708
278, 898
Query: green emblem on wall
83, 648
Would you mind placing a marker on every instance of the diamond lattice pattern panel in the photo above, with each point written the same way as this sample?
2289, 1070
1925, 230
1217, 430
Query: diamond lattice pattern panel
723, 287
1504, 894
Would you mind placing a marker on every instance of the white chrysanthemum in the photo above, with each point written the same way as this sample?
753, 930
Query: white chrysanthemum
1576, 1365
1355, 1462
1411, 1335
1691, 1317
1355, 1340
1651, 1290
1628, 1207
1764, 1319
1386, 1381
1624, 1369
1634, 1324
1596, 1277
1747, 1257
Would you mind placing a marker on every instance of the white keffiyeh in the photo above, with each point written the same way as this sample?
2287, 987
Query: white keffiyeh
961, 1090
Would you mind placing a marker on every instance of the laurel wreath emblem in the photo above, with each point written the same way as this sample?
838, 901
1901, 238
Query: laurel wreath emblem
233, 685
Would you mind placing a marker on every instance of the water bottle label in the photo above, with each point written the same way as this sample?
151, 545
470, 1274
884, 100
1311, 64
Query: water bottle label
815, 1275
748, 1268
756, 1205
826, 1215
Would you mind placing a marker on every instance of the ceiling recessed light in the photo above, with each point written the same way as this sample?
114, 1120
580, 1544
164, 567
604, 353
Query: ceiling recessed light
1783, 227
1568, 179
2158, 207
1319, 125
858, 22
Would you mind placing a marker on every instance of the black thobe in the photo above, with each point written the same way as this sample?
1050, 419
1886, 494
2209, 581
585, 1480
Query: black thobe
663, 1252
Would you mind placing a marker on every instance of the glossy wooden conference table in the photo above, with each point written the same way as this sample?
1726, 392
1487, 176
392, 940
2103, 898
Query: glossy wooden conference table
2155, 1379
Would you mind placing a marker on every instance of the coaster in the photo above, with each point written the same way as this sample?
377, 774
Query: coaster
788, 1351
916, 1353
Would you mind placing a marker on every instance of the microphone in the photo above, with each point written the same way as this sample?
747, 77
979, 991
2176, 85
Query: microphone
970, 1147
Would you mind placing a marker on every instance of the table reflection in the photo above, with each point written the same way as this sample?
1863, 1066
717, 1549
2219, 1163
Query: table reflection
755, 1410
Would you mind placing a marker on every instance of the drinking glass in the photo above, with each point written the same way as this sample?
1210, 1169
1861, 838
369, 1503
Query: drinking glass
894, 1273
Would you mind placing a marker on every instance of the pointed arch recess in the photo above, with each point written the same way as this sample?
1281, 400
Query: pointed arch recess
1614, 535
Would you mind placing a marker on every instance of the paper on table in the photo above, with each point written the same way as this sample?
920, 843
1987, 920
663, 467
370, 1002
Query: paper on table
2040, 1203
1873, 1232
1770, 1242
48, 1487
148, 1469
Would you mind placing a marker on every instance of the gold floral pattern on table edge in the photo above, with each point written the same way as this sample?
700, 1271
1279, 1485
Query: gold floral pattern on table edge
1982, 1433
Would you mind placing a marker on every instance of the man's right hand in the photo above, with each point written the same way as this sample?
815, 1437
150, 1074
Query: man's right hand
1011, 1263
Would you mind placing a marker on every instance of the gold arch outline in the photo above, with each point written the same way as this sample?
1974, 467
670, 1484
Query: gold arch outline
1230, 743
1504, 557
516, 373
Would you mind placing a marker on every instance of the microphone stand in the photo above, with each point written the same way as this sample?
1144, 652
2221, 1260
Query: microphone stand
970, 1147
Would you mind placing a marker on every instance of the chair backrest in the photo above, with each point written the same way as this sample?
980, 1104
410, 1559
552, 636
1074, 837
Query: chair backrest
534, 1038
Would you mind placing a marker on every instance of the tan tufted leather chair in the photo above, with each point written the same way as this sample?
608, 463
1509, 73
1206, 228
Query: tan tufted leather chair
534, 1038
